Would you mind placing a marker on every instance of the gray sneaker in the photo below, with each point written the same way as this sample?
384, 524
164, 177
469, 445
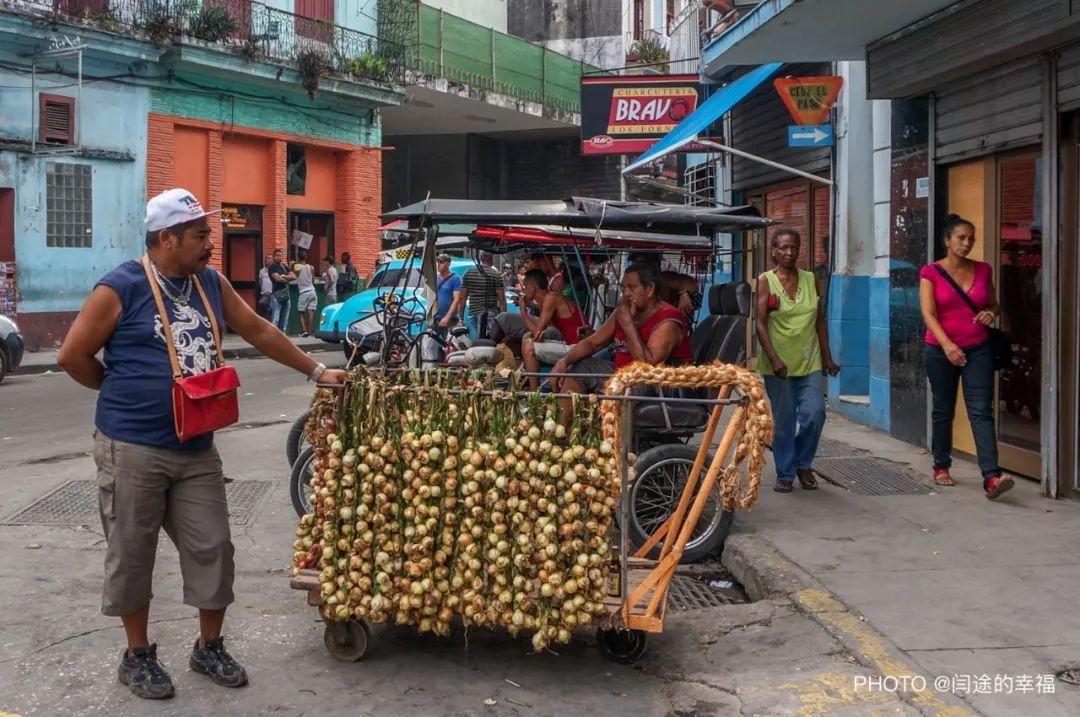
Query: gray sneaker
144, 675
214, 662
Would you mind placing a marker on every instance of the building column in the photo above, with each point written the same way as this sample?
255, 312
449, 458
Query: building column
216, 163
359, 203
275, 216
160, 172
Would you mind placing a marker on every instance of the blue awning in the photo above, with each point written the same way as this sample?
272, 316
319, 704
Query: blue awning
711, 110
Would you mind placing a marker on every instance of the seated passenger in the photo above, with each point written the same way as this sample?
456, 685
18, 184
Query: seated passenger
643, 328
555, 310
680, 290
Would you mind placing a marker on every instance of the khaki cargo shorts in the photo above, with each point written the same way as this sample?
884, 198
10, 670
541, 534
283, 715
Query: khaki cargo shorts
142, 489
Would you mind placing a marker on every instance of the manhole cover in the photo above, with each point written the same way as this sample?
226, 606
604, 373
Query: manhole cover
76, 503
688, 594
1070, 676
869, 476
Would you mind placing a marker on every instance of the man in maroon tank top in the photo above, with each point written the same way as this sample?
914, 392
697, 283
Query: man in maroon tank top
643, 328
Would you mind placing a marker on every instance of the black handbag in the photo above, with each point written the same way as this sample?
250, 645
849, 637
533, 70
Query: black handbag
1000, 345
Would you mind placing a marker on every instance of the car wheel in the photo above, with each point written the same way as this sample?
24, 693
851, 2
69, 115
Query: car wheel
3, 362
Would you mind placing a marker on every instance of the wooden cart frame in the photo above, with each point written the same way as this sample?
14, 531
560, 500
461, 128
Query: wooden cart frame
641, 605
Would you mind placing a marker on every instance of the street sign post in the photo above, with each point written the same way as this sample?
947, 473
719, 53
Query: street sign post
809, 99
819, 135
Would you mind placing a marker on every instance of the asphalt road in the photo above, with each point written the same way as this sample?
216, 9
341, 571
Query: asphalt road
58, 653
43, 417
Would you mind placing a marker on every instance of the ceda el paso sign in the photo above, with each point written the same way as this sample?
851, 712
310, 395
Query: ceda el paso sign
628, 113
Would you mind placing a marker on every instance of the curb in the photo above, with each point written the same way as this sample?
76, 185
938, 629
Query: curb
247, 352
766, 573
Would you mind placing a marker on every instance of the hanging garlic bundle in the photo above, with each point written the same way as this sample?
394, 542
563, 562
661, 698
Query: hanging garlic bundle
434, 502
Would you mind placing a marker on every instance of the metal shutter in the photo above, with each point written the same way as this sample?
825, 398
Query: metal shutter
990, 112
759, 126
1068, 78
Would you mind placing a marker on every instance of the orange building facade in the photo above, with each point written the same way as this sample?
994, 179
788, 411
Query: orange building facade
244, 172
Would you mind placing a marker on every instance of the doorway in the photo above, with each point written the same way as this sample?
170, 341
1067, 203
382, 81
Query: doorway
243, 254
1019, 281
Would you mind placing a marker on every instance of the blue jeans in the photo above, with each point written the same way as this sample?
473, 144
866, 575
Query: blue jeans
978, 377
798, 407
279, 314
480, 324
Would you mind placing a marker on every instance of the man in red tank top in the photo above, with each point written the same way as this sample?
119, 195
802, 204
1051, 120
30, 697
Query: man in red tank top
643, 328
555, 310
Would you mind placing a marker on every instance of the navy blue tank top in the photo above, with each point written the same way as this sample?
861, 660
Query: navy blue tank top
135, 402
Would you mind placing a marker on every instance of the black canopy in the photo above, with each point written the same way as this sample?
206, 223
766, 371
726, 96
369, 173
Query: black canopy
583, 212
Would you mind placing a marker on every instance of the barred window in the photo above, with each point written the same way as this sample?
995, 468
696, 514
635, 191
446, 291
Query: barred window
69, 205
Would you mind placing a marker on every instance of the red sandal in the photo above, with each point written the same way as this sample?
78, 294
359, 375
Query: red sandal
942, 477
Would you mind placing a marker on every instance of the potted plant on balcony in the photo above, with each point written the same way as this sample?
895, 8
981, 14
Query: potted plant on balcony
312, 65
647, 52
213, 24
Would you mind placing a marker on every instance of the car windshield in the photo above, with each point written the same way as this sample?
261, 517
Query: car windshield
391, 278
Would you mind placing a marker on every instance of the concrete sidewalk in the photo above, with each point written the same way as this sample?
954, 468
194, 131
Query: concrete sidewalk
947, 584
234, 348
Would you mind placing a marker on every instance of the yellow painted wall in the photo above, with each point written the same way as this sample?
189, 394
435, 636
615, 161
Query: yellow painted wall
971, 195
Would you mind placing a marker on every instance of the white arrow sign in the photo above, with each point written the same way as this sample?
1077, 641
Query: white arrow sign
816, 136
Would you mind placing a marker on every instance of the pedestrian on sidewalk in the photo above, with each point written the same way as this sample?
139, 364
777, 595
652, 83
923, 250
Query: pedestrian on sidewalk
329, 278
266, 289
347, 278
148, 479
793, 360
958, 348
482, 288
280, 276
307, 300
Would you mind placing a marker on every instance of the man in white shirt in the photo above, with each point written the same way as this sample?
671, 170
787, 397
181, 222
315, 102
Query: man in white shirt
266, 288
330, 277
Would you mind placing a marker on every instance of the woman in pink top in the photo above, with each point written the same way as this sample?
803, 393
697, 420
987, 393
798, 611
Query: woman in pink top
958, 348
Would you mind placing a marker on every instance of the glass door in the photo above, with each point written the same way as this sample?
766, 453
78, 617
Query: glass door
1019, 282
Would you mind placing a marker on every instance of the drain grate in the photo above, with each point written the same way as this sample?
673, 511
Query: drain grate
829, 448
869, 476
688, 594
76, 503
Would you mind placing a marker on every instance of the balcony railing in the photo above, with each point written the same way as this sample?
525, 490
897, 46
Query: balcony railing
250, 29
462, 51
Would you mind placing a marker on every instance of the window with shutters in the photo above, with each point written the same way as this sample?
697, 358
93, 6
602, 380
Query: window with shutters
57, 119
316, 19
69, 205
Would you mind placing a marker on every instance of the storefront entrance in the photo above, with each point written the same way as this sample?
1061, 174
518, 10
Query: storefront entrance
1002, 195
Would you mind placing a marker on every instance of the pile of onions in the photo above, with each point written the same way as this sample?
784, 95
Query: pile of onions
431, 503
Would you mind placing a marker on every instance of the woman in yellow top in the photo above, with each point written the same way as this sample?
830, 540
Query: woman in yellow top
794, 349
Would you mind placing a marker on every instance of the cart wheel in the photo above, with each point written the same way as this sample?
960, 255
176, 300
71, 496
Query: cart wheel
347, 641
623, 646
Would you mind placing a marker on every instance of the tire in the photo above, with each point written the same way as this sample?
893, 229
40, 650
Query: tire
654, 495
3, 363
622, 646
300, 482
347, 641
296, 440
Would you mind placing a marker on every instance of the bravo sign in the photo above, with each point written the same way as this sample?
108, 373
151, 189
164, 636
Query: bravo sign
809, 99
627, 114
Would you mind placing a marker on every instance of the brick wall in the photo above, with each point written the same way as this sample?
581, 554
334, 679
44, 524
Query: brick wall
556, 169
217, 179
359, 198
159, 155
358, 187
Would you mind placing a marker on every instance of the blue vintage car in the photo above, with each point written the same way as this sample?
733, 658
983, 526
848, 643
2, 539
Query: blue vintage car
387, 279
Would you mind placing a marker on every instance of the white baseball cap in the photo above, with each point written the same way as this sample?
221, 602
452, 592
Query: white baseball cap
172, 207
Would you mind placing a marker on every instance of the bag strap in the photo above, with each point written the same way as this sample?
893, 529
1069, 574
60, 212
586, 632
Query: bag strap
952, 282
169, 343
213, 319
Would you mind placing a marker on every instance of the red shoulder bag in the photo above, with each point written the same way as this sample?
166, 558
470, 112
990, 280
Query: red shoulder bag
208, 401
